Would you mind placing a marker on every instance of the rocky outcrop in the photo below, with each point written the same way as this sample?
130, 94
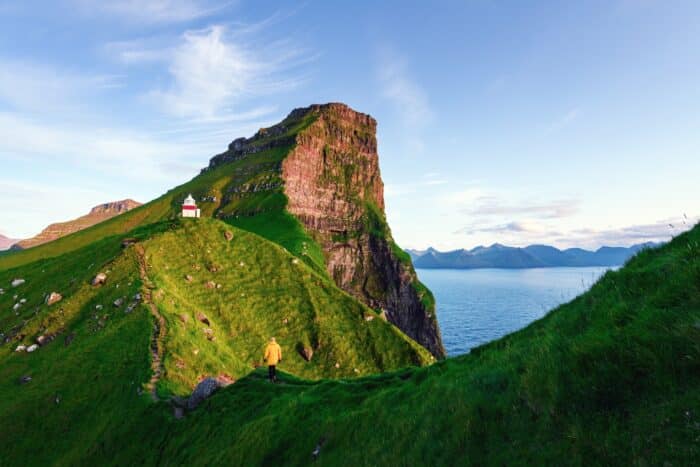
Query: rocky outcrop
333, 183
98, 214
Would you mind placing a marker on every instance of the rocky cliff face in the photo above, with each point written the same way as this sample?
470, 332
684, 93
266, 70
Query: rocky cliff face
98, 214
333, 183
6, 242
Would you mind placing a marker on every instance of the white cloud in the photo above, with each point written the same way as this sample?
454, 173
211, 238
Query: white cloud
154, 11
212, 72
565, 120
26, 86
409, 98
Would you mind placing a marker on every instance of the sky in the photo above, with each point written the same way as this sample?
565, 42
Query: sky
567, 123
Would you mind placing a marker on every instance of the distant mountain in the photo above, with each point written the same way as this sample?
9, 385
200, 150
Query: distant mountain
99, 213
6, 242
533, 256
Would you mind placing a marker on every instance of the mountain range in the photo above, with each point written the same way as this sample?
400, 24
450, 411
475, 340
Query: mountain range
6, 242
533, 256
97, 214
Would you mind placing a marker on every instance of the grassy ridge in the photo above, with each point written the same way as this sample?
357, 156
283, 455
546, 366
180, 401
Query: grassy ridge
610, 378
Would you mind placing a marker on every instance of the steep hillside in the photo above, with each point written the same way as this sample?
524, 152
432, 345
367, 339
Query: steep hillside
312, 185
98, 214
612, 378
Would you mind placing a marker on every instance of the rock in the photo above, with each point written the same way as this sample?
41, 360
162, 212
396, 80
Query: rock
184, 318
295, 261
218, 286
23, 301
17, 282
21, 348
43, 340
16, 306
98, 307
369, 317
209, 332
210, 285
2, 291
180, 364
25, 379
128, 241
118, 302
54, 297
137, 297
228, 235
203, 318
189, 278
383, 315
337, 365
32, 348
306, 353
285, 321
130, 308
203, 391
225, 379
69, 338
99, 279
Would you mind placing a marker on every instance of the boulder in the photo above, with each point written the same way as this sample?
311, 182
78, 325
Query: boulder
209, 332
32, 348
21, 348
210, 285
43, 340
369, 317
17, 282
203, 391
25, 379
306, 353
99, 279
189, 278
228, 235
54, 297
118, 302
16, 306
203, 318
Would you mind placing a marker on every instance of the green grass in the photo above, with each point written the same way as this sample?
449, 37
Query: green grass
611, 378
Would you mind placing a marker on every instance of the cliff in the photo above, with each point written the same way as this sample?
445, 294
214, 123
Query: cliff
332, 182
99, 213
6, 242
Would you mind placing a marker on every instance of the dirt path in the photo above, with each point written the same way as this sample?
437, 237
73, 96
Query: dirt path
158, 336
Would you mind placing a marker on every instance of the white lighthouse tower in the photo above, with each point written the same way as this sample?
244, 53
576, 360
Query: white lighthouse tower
189, 207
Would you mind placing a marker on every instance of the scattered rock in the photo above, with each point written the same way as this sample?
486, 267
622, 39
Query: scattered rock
369, 317
99, 279
355, 370
98, 307
25, 379
189, 278
218, 286
306, 353
16, 306
203, 318
2, 291
32, 348
128, 241
228, 235
295, 261
23, 301
43, 340
69, 338
285, 321
195, 351
17, 282
202, 392
21, 348
241, 264
209, 332
130, 308
57, 399
137, 297
383, 315
225, 379
184, 318
214, 268
317, 450
337, 365
210, 285
118, 302
54, 297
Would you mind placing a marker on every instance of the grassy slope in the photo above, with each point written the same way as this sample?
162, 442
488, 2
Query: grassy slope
611, 378
262, 285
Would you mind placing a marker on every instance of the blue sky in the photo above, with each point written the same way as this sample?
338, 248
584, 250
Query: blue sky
571, 123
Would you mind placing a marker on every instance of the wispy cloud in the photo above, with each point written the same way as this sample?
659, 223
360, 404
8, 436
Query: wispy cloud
154, 11
563, 121
401, 88
494, 206
212, 70
26, 86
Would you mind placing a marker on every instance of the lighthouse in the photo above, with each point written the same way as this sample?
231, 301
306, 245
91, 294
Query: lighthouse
189, 207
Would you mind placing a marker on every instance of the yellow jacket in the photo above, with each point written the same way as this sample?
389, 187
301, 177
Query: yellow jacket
273, 353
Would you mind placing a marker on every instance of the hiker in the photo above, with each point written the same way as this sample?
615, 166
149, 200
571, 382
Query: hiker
273, 355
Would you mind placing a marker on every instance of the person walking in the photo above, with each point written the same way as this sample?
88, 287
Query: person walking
273, 355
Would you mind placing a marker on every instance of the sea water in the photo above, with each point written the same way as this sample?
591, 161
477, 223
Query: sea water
476, 306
